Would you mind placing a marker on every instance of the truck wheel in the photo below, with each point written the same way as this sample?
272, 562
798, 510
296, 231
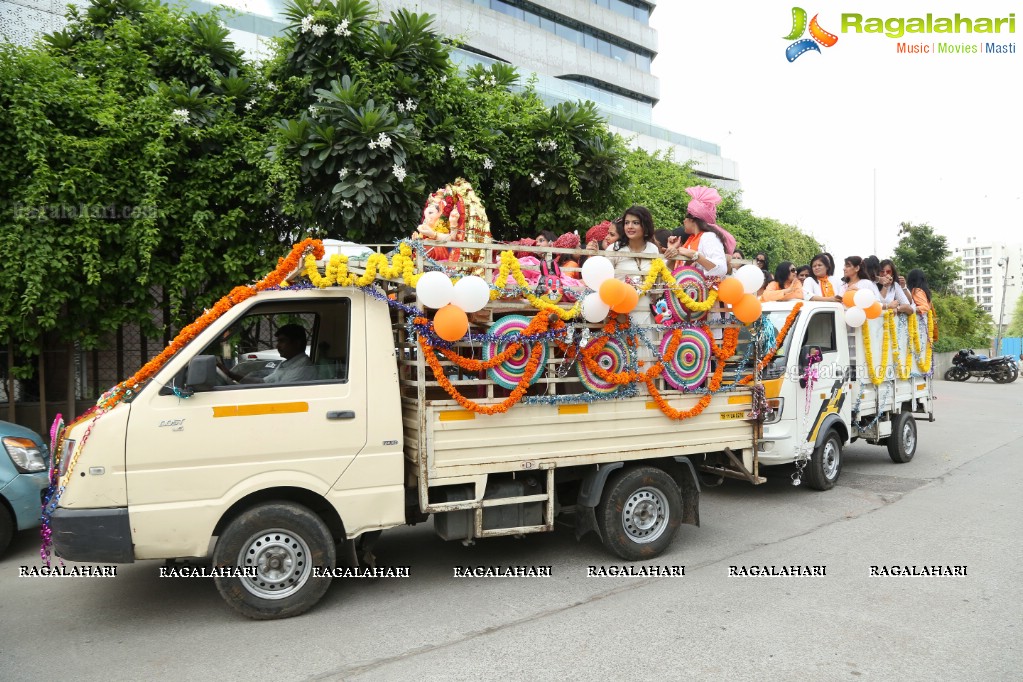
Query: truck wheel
825, 463
902, 442
282, 542
6, 528
639, 513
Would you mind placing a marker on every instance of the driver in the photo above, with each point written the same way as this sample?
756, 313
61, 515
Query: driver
296, 367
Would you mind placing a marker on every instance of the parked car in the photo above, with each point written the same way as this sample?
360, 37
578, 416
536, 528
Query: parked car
24, 466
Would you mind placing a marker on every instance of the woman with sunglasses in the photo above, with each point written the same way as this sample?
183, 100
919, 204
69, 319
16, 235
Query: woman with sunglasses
786, 285
894, 294
820, 285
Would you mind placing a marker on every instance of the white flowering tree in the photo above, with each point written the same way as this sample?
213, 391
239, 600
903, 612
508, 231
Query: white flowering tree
378, 117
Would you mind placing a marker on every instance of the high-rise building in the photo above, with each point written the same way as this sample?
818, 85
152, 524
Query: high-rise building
598, 50
992, 276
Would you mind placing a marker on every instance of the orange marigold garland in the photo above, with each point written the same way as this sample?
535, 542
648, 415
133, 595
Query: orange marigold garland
285, 266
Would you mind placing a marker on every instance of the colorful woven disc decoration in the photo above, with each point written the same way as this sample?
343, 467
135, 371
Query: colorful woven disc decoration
613, 357
692, 282
689, 367
510, 372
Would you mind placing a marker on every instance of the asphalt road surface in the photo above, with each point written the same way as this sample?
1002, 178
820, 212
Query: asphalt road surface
956, 504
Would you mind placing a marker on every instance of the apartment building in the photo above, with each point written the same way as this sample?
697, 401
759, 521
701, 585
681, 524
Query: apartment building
992, 276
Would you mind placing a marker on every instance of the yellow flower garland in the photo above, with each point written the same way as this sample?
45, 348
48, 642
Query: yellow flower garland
510, 262
336, 273
660, 269
914, 336
902, 368
868, 351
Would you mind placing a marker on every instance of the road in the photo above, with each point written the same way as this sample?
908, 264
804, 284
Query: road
956, 504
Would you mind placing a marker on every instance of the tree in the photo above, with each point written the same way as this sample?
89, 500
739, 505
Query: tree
1016, 327
919, 247
375, 116
962, 323
147, 195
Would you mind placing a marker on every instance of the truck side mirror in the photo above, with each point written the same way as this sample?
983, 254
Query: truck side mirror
202, 373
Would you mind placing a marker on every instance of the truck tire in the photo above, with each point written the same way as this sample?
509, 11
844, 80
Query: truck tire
283, 542
825, 463
902, 442
6, 528
639, 513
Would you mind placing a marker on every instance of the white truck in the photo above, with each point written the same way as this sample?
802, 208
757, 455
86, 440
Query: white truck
284, 478
852, 395
280, 479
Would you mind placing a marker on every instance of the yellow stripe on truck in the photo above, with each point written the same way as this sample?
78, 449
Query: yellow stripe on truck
259, 409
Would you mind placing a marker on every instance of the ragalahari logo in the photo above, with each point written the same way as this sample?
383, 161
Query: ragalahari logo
817, 35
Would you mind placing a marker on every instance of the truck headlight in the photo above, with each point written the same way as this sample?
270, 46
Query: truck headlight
776, 405
26, 455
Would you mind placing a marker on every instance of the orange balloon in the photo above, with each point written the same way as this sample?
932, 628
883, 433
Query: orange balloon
730, 290
613, 291
747, 310
873, 310
628, 303
450, 323
847, 298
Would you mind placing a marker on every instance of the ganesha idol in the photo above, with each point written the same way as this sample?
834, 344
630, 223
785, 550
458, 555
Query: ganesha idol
454, 213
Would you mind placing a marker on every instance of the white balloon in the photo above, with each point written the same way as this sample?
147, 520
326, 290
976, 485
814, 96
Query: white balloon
752, 278
434, 289
471, 293
594, 310
855, 317
596, 270
863, 299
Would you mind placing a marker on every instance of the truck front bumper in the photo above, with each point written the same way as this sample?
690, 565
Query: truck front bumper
95, 535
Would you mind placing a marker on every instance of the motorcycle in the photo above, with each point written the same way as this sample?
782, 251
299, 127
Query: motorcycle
966, 364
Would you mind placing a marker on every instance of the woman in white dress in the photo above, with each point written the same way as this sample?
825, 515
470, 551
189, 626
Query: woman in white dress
707, 245
855, 277
821, 285
894, 294
637, 238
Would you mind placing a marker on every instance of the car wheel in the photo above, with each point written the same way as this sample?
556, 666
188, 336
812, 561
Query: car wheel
640, 512
902, 443
281, 542
825, 463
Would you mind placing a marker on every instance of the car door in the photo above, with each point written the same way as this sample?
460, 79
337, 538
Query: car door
203, 452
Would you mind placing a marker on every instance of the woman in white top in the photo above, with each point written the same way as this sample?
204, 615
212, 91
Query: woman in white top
821, 285
894, 295
855, 277
637, 238
707, 244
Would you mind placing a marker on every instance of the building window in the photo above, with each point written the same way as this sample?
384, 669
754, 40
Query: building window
585, 36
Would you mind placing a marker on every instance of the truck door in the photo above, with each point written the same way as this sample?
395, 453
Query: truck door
301, 429
826, 393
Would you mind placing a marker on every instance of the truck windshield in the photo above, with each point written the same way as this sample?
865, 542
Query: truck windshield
767, 331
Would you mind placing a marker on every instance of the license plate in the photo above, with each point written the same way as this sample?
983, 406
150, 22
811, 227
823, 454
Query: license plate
725, 416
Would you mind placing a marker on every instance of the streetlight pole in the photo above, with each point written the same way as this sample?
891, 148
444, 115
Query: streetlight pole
1004, 264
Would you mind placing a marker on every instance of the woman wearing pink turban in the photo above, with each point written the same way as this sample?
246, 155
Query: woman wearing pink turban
707, 244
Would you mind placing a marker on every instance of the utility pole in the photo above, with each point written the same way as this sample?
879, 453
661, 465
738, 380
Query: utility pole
875, 210
1004, 262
